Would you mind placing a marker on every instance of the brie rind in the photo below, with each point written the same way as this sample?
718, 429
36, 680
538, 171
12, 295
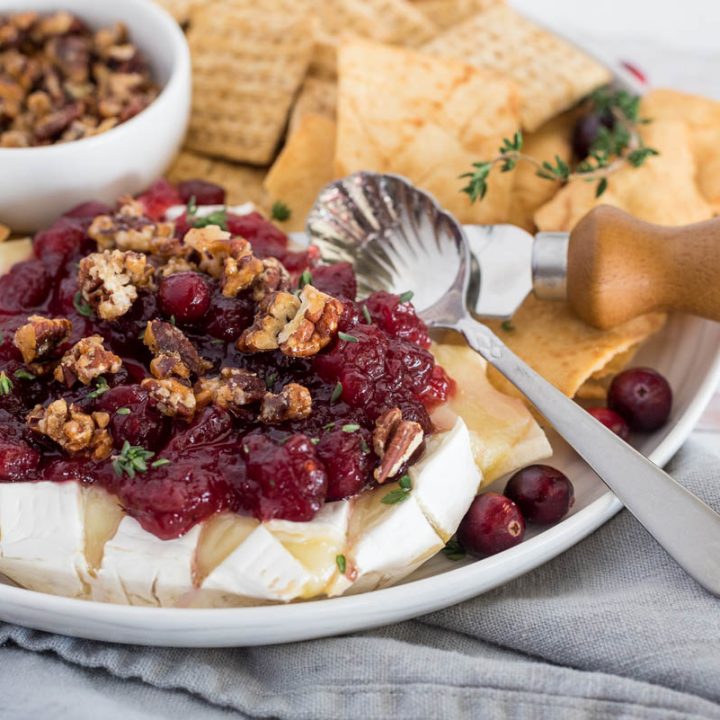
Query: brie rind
141, 569
42, 536
446, 479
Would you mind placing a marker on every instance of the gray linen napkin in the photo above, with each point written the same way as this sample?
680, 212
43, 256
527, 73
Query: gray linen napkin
612, 628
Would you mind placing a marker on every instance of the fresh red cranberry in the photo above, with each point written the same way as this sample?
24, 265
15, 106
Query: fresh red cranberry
586, 131
642, 396
228, 317
158, 198
397, 318
290, 478
543, 494
24, 287
204, 192
89, 209
348, 461
185, 295
133, 418
18, 460
610, 419
493, 523
337, 280
439, 388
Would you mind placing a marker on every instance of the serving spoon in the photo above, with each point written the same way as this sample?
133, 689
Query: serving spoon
398, 238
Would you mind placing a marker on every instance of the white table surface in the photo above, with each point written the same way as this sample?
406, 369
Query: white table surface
674, 43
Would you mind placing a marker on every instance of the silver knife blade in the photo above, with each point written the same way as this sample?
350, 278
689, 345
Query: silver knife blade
504, 256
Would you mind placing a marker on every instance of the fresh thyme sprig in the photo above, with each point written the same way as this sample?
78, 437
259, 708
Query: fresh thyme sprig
612, 149
218, 217
6, 384
280, 211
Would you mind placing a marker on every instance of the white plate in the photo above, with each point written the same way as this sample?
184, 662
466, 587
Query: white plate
686, 352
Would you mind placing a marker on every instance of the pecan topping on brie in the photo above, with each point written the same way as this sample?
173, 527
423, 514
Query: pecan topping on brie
214, 245
39, 336
234, 389
313, 326
273, 313
75, 431
293, 402
394, 442
172, 396
109, 280
240, 273
174, 353
129, 229
273, 277
85, 361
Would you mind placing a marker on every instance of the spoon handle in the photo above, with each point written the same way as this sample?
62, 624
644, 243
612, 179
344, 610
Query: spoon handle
685, 526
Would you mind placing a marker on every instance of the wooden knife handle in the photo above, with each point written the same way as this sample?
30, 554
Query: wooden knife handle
620, 267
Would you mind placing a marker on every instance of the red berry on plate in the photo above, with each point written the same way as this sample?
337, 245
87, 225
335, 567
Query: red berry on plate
543, 494
493, 523
635, 70
184, 296
204, 192
610, 419
642, 396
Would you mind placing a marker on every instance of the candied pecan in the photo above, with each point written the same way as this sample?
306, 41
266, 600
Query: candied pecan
109, 280
213, 246
313, 326
74, 431
39, 336
273, 314
86, 360
293, 402
176, 265
239, 274
129, 229
273, 277
173, 397
174, 353
233, 389
394, 442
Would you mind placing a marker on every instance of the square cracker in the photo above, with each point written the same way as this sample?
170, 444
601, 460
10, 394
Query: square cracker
425, 118
247, 68
445, 13
702, 116
661, 191
530, 192
318, 96
552, 74
303, 168
562, 348
242, 183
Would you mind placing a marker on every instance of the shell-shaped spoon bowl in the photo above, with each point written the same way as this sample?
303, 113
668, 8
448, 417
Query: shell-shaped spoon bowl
397, 237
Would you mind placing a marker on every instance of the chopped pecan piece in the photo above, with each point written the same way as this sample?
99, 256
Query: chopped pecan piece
273, 277
293, 402
129, 229
240, 274
176, 265
313, 326
173, 397
85, 361
40, 335
234, 389
174, 353
109, 280
273, 314
213, 246
74, 431
394, 441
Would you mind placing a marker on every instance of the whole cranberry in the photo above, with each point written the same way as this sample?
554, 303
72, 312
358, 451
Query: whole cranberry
158, 198
642, 396
18, 460
543, 494
610, 419
348, 461
185, 295
88, 209
492, 524
586, 131
204, 192
337, 280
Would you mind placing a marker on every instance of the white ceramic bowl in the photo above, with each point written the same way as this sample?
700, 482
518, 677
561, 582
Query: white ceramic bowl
38, 184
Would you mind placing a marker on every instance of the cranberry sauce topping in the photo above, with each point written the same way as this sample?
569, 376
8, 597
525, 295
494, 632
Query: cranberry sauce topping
187, 410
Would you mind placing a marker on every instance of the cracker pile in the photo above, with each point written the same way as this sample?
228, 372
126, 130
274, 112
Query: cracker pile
291, 94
